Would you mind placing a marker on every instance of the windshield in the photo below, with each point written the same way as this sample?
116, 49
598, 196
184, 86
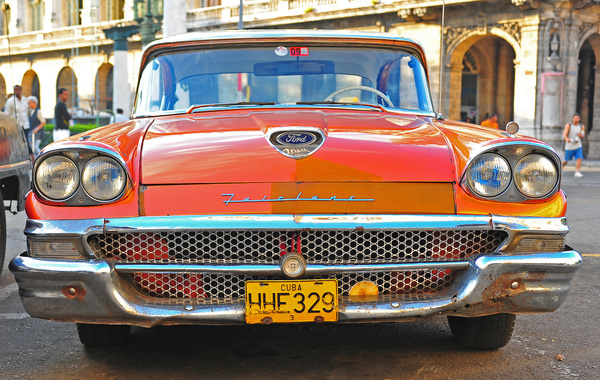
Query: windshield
389, 78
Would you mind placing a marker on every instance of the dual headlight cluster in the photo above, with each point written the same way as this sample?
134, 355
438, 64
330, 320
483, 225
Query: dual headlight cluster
60, 178
491, 175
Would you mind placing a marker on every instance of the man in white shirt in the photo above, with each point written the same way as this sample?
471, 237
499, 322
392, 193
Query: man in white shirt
118, 117
17, 107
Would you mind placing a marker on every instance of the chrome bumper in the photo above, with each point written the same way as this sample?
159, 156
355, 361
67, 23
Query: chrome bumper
94, 291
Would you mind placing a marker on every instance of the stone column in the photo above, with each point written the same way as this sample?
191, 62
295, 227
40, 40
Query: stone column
593, 136
526, 66
121, 87
552, 91
504, 81
586, 72
174, 17
129, 10
454, 78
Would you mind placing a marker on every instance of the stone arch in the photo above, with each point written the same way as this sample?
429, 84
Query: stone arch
104, 87
2, 91
495, 51
67, 79
31, 85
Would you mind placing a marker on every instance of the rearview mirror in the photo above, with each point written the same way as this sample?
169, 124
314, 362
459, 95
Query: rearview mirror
294, 68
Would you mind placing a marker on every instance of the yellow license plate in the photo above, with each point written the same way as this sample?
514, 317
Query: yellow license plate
291, 301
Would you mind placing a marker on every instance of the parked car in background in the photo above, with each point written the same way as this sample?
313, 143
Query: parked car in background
15, 172
293, 177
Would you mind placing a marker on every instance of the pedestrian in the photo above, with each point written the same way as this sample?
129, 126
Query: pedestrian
491, 121
118, 117
36, 124
573, 133
17, 107
61, 116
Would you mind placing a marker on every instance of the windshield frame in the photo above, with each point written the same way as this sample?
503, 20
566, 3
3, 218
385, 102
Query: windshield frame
400, 44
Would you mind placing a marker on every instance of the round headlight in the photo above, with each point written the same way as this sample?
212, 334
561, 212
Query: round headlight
488, 175
57, 178
535, 175
103, 178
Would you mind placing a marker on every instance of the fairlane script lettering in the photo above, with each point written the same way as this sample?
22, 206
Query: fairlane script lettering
298, 198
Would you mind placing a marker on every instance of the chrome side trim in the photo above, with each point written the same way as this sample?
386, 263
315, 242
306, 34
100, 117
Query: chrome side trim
311, 270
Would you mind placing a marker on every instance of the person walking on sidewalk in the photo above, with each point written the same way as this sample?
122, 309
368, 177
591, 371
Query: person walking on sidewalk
62, 116
573, 133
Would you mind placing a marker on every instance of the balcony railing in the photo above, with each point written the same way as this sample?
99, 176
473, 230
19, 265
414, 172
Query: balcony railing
58, 39
277, 11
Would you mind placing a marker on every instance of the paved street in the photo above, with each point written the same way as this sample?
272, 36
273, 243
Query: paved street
560, 345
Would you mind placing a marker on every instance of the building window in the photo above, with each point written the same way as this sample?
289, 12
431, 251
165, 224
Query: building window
75, 7
115, 10
37, 14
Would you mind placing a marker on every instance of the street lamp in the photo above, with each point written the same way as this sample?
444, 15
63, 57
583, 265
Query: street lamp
149, 16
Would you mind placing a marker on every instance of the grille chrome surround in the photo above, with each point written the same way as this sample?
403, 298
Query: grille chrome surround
265, 247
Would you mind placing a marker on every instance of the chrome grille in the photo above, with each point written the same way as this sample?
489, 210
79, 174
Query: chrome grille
322, 247
227, 287
266, 247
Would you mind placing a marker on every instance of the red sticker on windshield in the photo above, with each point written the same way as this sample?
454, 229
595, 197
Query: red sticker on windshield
298, 51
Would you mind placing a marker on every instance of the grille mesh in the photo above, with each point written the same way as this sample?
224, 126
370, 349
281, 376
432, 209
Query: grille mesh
232, 287
266, 247
322, 247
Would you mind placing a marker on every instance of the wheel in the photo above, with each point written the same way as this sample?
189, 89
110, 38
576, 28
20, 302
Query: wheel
486, 333
2, 232
103, 335
374, 90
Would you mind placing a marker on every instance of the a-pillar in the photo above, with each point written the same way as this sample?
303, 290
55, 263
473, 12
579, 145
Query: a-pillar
121, 87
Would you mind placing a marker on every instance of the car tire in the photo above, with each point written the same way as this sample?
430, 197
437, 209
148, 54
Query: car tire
2, 233
484, 333
103, 335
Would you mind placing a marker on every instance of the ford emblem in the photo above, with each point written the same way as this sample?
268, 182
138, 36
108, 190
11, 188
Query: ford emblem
296, 142
296, 138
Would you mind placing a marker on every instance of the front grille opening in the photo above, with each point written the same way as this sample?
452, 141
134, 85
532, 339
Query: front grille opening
322, 247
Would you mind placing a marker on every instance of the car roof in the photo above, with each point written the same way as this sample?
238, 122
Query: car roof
279, 33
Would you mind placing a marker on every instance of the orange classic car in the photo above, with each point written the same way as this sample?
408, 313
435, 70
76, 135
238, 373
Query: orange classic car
293, 177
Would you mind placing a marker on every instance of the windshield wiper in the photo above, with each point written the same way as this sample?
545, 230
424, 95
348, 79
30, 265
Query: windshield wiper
333, 102
194, 107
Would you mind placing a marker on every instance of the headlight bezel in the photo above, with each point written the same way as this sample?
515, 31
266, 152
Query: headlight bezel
513, 153
81, 155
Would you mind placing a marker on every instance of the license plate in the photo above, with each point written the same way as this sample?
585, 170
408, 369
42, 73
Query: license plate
291, 301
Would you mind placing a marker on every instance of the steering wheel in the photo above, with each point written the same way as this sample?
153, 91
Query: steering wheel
350, 88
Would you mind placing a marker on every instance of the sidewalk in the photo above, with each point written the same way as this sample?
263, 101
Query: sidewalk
586, 165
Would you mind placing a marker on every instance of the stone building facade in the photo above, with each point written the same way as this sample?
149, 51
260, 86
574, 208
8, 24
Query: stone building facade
532, 61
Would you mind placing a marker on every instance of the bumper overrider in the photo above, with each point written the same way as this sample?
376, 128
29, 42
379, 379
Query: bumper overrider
62, 278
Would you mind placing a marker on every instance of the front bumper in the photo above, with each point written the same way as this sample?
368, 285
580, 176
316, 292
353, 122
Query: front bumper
96, 291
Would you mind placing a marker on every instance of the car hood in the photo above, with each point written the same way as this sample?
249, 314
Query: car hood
232, 147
